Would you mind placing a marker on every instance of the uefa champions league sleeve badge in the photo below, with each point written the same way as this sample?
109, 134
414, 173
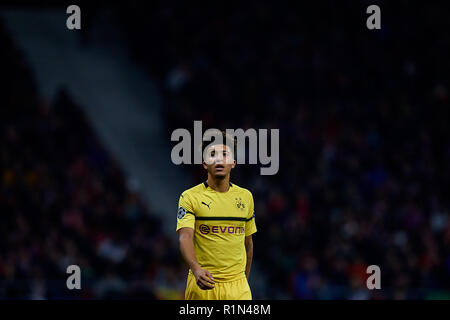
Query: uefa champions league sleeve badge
181, 212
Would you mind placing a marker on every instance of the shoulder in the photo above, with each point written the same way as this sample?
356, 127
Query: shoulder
192, 192
242, 191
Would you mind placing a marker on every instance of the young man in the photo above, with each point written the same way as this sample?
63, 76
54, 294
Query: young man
215, 223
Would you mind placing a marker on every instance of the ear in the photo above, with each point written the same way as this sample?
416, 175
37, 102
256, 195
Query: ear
234, 164
204, 165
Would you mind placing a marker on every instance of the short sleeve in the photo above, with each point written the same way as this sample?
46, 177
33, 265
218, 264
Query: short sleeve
185, 214
250, 225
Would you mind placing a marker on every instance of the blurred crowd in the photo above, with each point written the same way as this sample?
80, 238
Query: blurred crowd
64, 201
364, 153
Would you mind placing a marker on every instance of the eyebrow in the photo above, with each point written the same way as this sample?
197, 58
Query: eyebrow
215, 150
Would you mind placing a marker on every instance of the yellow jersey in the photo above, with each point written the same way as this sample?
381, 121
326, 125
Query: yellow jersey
221, 221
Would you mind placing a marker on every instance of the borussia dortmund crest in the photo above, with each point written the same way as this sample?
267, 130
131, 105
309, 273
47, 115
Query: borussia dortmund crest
239, 204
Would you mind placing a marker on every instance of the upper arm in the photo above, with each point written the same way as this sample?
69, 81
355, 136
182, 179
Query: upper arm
185, 214
250, 225
185, 233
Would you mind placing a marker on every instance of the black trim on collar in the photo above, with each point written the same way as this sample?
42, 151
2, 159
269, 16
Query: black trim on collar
206, 184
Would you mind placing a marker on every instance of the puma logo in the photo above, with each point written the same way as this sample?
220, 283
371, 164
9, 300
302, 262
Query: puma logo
207, 205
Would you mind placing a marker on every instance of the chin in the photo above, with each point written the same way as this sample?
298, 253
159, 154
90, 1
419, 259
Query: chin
220, 175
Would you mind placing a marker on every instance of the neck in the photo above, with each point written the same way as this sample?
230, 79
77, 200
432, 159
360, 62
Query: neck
219, 185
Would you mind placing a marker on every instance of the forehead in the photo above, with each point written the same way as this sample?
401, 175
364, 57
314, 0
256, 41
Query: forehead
219, 148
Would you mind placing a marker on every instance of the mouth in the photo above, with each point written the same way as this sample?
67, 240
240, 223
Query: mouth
220, 167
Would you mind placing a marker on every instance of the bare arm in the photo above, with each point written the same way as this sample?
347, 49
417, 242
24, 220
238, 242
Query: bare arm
249, 250
203, 277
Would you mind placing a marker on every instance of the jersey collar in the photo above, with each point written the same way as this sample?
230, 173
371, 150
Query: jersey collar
206, 184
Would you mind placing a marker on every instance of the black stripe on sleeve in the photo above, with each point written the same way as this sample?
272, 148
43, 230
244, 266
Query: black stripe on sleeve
250, 217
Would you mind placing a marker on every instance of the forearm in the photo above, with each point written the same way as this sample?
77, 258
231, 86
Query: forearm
188, 252
248, 266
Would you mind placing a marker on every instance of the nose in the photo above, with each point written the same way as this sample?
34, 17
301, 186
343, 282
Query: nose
219, 158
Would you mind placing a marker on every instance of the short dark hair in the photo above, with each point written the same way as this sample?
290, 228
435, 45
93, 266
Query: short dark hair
227, 139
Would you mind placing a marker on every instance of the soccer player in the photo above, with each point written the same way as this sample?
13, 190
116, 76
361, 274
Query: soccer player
215, 223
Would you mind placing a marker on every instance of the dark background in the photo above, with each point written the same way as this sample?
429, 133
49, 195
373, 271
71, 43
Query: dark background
364, 176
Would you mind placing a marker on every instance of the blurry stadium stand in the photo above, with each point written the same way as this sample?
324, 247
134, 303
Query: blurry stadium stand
119, 99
